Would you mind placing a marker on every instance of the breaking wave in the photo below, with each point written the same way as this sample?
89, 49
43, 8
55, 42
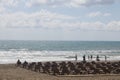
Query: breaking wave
12, 55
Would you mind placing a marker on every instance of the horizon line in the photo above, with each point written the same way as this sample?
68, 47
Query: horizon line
60, 40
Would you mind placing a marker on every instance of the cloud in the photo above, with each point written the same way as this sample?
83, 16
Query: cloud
22, 19
98, 14
98, 2
2, 9
45, 19
69, 3
87, 3
114, 26
9, 2
6, 5
31, 3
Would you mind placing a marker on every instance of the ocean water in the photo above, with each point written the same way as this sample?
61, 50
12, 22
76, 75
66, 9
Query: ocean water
12, 50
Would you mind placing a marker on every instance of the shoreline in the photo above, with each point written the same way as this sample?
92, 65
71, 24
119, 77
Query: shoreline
62, 61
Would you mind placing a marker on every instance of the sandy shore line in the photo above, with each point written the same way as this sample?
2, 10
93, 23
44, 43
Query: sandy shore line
10, 72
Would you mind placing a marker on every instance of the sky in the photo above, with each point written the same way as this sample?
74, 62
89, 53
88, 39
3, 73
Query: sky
79, 20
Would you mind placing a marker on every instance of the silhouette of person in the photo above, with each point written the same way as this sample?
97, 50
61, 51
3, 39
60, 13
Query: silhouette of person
97, 58
18, 62
84, 59
76, 57
91, 57
105, 58
88, 57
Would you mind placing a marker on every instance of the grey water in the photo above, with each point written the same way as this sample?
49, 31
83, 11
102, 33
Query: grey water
11, 50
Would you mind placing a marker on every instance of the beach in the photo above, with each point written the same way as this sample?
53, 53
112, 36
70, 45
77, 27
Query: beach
59, 39
11, 72
44, 51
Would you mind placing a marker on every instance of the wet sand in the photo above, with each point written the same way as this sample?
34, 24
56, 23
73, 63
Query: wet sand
11, 72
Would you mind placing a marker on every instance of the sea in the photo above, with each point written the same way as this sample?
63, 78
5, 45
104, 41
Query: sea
40, 51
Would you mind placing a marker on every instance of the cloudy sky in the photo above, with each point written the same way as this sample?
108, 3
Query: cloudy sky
60, 20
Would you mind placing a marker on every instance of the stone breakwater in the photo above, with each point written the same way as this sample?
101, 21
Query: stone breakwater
72, 68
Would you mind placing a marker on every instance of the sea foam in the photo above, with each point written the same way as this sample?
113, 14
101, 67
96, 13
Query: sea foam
12, 55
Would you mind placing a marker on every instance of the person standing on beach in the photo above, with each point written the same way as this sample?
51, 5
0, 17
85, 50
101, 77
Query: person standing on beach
91, 57
97, 58
106, 58
18, 62
76, 57
84, 59
88, 57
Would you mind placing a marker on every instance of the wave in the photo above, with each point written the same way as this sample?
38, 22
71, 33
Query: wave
12, 55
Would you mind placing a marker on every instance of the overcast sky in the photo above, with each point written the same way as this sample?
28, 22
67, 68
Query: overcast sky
60, 20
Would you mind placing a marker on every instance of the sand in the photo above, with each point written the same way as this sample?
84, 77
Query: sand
10, 72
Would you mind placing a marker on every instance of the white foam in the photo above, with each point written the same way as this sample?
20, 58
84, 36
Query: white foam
13, 55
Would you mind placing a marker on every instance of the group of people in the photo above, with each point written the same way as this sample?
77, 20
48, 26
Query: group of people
90, 57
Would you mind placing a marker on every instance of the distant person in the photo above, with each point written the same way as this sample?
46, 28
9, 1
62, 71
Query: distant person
106, 58
18, 63
97, 58
84, 59
91, 57
88, 57
76, 57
